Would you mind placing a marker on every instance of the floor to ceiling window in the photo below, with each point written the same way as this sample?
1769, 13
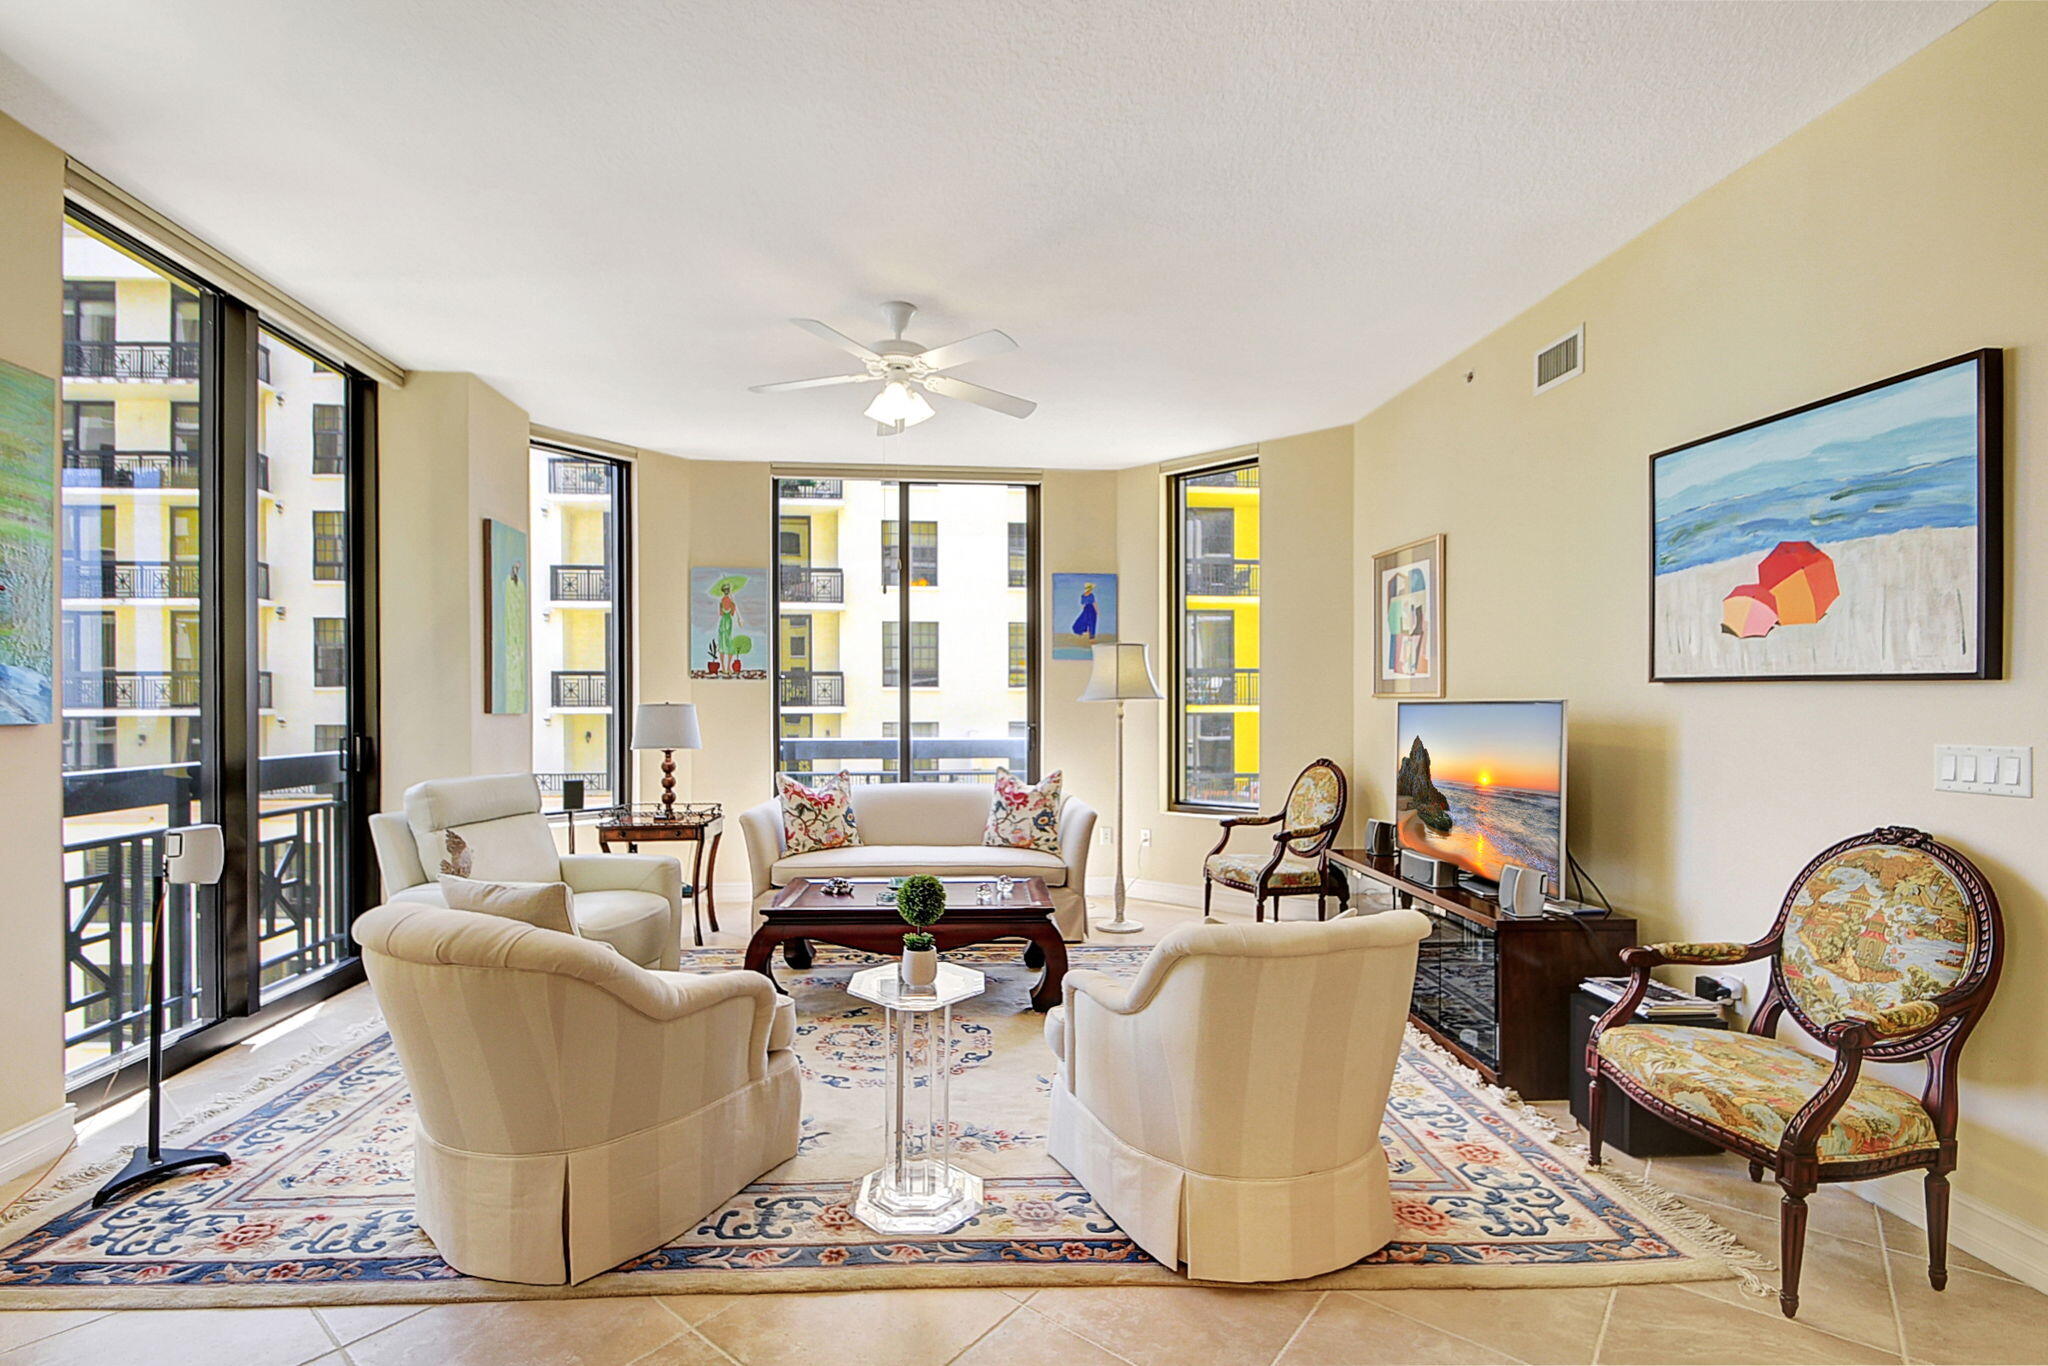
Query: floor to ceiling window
578, 519
1214, 554
887, 682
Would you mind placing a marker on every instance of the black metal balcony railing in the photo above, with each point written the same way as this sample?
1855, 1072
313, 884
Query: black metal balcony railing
581, 688
1222, 787
933, 759
1222, 578
596, 784
160, 360
804, 689
131, 579
809, 583
578, 476
125, 691
131, 469
1244, 477
1222, 688
581, 583
813, 488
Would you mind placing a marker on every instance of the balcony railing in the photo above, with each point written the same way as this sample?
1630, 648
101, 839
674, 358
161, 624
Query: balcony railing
581, 583
131, 579
1244, 477
808, 583
595, 784
124, 691
813, 488
159, 360
1222, 578
803, 689
131, 469
1222, 788
581, 688
578, 476
933, 759
1222, 687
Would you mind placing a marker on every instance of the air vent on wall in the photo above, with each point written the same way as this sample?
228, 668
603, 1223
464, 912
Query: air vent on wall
1563, 359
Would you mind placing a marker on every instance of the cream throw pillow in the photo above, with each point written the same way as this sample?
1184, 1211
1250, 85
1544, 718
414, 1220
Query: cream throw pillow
549, 905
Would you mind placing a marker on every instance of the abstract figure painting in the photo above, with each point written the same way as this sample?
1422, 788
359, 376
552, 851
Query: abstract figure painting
508, 594
1083, 614
28, 532
1408, 620
1857, 537
729, 623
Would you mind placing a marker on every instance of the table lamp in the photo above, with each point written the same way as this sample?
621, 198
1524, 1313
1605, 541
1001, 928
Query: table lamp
668, 727
1122, 673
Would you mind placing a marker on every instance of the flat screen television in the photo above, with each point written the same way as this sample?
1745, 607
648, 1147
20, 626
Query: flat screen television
1481, 784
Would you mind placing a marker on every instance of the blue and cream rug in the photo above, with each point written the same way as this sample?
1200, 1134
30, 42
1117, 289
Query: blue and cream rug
317, 1205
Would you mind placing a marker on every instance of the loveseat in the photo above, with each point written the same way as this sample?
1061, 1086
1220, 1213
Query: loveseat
931, 828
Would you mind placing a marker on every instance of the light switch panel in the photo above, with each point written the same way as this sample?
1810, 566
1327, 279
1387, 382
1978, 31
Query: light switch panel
1989, 770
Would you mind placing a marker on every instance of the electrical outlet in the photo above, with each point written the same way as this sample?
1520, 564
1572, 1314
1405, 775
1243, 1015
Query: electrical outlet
1144, 838
1108, 836
1734, 985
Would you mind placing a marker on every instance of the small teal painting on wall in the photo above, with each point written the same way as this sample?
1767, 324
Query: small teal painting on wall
28, 560
729, 623
508, 590
1083, 614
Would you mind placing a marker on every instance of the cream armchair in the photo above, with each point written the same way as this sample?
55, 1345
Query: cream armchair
634, 902
574, 1110
1224, 1108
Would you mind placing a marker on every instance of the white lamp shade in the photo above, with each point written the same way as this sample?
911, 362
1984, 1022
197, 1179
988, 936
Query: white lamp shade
666, 725
1122, 673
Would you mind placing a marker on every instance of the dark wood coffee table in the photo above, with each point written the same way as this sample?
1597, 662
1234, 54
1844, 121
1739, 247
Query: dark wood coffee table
804, 913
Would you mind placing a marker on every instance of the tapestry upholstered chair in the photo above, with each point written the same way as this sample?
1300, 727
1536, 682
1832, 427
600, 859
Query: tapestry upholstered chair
1170, 1105
1885, 949
574, 1110
491, 828
1300, 862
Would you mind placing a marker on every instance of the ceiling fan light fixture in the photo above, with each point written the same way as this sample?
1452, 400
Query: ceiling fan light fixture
898, 402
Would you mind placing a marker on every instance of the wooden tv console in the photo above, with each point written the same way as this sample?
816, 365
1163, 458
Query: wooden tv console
1495, 990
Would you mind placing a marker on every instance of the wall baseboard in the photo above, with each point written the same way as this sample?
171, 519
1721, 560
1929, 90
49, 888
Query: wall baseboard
2018, 1249
36, 1144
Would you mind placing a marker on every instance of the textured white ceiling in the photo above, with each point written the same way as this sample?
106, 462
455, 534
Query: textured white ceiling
1206, 221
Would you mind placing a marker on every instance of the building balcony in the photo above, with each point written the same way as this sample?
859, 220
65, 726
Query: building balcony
1222, 688
578, 476
1244, 477
1221, 579
806, 689
808, 583
131, 469
580, 583
587, 689
597, 785
1219, 787
131, 579
825, 490
120, 691
157, 361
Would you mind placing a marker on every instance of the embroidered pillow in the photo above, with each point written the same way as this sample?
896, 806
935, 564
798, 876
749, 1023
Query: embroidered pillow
818, 817
1025, 817
550, 905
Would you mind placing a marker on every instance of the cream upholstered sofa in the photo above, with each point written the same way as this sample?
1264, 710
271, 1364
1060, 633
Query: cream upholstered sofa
574, 1110
1224, 1108
634, 902
931, 828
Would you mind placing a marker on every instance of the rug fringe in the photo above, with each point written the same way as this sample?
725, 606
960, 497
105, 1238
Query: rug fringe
1747, 1263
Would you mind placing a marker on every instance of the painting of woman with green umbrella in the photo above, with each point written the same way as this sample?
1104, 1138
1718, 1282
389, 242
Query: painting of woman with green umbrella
728, 623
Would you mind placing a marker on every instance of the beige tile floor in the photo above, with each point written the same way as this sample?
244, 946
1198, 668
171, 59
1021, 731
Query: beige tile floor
1866, 1299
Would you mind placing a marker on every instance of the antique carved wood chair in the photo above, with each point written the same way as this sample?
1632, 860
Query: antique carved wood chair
1300, 862
1886, 948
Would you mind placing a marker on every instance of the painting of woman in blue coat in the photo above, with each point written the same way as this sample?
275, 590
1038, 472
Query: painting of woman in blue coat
1087, 604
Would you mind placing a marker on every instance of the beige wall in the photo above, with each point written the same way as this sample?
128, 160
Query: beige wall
1904, 227
31, 757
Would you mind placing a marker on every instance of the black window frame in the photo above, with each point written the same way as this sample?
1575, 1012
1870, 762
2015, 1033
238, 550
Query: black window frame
924, 553
330, 652
330, 547
330, 456
1182, 728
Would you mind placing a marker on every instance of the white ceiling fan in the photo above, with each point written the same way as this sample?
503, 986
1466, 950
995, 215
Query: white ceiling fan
907, 371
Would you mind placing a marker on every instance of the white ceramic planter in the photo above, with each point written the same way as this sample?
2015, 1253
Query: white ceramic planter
920, 967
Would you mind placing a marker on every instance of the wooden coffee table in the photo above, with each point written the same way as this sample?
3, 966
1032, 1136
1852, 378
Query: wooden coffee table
804, 913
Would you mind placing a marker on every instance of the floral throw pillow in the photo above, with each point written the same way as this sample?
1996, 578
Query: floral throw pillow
1025, 817
818, 817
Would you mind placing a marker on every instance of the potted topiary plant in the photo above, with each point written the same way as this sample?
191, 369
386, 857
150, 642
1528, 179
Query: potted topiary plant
921, 900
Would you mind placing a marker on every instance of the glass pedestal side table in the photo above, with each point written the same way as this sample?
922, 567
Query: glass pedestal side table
917, 1189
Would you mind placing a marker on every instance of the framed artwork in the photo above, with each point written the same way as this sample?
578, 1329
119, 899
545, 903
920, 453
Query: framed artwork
1861, 536
508, 588
730, 623
28, 533
1408, 620
1083, 614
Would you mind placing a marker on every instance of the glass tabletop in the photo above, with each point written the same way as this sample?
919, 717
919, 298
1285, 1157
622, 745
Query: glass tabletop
884, 986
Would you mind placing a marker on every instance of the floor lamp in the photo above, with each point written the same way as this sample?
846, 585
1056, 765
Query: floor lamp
1122, 673
193, 856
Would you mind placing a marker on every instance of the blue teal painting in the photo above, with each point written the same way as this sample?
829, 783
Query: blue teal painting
1857, 537
1083, 614
28, 553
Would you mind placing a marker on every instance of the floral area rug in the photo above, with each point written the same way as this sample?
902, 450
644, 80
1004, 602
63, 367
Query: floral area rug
317, 1206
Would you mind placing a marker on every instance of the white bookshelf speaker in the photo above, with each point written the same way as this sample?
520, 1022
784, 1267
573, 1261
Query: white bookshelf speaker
1521, 891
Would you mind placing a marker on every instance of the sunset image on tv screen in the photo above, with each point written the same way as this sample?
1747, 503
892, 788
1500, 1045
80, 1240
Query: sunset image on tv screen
1481, 784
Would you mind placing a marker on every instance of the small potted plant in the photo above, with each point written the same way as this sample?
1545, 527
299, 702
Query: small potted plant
921, 900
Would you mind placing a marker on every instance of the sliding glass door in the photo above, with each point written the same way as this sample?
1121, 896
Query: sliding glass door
579, 518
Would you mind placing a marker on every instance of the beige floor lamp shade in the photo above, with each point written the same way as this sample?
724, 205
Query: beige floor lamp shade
1121, 673
668, 727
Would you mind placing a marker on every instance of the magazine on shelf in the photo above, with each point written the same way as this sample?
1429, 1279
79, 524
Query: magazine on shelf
1658, 1001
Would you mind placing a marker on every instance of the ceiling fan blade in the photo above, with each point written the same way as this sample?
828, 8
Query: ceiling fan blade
809, 383
949, 387
834, 337
981, 344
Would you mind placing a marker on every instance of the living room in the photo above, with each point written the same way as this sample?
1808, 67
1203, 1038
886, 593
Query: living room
414, 490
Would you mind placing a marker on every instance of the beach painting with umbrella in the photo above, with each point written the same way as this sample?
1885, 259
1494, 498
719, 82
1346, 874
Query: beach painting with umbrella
729, 623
